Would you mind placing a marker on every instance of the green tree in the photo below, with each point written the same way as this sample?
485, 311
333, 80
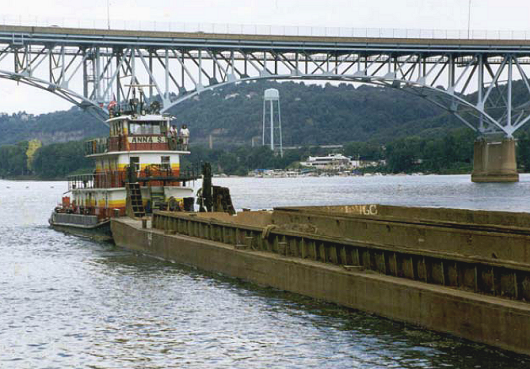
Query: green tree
59, 160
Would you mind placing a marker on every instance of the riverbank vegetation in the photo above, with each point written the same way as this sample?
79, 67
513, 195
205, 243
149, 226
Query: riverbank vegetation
450, 153
372, 123
55, 161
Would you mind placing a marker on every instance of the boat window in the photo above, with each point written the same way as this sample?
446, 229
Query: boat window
116, 128
134, 128
144, 128
166, 164
134, 162
163, 128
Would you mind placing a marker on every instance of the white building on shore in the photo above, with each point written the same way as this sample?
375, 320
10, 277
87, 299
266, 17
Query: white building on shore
336, 162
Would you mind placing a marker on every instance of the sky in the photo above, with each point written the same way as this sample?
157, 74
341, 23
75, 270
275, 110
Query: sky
410, 14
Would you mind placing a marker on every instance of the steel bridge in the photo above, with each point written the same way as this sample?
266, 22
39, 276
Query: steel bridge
472, 79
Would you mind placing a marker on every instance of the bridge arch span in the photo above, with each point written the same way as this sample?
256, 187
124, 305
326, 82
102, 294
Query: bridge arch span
92, 107
413, 88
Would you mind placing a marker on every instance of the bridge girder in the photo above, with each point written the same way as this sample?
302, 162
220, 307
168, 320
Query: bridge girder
90, 70
100, 112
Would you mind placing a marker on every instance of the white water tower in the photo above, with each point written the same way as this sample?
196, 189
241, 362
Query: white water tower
272, 120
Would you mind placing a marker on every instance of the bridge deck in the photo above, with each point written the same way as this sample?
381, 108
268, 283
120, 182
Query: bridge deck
77, 36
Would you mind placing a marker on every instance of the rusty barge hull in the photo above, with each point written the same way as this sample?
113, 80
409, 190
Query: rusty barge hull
461, 272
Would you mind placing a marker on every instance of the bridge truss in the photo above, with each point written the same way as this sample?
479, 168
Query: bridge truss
473, 79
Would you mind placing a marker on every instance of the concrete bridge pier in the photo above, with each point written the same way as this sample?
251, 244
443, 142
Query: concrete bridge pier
494, 161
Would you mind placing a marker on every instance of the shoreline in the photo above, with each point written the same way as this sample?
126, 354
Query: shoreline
31, 179
217, 176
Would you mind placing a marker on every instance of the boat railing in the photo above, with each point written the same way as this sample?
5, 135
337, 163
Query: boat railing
97, 180
80, 181
152, 173
176, 143
158, 172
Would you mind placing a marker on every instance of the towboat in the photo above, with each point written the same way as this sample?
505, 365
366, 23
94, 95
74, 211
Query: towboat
137, 170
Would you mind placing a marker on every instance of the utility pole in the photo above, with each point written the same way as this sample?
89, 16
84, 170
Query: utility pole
468, 19
108, 14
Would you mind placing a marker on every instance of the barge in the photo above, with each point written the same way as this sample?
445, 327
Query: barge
462, 272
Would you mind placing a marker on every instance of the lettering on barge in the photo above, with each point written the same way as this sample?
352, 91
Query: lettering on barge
147, 139
363, 209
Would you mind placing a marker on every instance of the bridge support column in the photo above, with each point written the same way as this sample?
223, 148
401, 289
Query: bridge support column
494, 161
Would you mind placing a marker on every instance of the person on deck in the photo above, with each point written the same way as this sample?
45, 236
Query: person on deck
172, 131
172, 137
185, 134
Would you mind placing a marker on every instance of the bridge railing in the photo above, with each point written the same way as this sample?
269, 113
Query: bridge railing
272, 30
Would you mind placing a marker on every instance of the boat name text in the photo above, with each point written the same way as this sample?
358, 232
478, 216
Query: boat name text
147, 139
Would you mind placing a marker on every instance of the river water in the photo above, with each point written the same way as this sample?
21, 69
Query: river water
68, 302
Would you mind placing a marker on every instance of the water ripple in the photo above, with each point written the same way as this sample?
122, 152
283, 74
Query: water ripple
71, 302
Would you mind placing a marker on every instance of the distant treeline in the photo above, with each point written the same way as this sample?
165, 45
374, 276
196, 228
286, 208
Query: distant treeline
53, 161
449, 153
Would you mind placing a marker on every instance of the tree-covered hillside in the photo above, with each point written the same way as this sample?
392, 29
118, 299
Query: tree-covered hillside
311, 114
61, 126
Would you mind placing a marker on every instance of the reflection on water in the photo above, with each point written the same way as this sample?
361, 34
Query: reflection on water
70, 302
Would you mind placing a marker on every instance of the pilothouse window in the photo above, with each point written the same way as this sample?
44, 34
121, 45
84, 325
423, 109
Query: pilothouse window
116, 128
144, 128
